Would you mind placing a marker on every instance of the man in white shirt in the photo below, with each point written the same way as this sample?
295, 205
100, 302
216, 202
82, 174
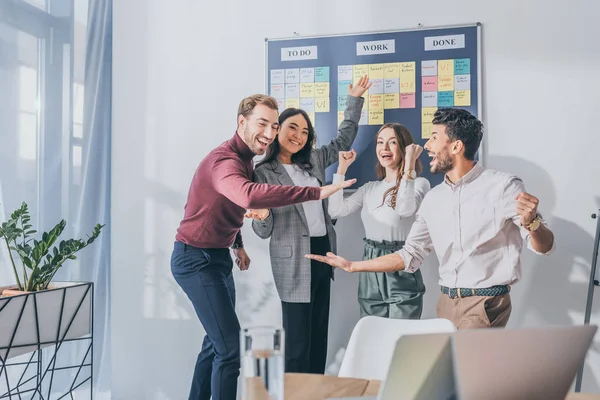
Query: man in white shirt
475, 220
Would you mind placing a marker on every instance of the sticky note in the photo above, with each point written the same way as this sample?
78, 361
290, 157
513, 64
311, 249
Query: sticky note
430, 84
343, 87
307, 75
376, 102
427, 114
322, 104
376, 86
364, 117
445, 99
462, 98
407, 100
391, 85
462, 66
280, 103
426, 130
445, 67
375, 117
277, 76
462, 82
429, 68
345, 73
292, 103
307, 90
391, 100
342, 101
407, 70
429, 99
307, 105
360, 71
407, 86
391, 70
375, 71
322, 89
292, 75
278, 90
322, 74
292, 90
445, 83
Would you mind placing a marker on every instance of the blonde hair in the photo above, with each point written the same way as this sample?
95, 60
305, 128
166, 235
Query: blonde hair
247, 105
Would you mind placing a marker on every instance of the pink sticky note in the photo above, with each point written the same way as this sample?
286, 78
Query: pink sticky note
430, 84
407, 100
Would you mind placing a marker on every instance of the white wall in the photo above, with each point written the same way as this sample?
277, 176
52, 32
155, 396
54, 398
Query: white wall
179, 73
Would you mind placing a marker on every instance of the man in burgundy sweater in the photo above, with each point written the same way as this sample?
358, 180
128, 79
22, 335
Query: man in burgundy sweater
220, 192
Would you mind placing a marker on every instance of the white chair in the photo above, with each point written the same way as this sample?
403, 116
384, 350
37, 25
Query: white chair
373, 340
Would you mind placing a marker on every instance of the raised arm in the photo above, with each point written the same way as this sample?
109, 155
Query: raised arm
338, 205
521, 208
348, 128
411, 191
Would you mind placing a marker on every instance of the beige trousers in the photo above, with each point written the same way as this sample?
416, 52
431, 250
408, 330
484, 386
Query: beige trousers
475, 311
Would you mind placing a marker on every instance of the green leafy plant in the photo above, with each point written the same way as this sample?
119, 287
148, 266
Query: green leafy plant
40, 260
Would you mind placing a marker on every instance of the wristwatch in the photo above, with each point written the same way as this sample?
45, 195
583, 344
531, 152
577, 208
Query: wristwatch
534, 224
412, 174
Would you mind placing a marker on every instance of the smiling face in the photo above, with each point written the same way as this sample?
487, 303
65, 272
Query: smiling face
293, 134
439, 148
388, 148
260, 128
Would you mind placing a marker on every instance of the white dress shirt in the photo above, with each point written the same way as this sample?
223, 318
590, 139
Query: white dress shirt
312, 209
474, 228
381, 222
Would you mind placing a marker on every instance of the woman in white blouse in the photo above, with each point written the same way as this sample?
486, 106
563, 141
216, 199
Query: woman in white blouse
388, 209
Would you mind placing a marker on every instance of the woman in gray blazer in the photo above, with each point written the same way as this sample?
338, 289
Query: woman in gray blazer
296, 230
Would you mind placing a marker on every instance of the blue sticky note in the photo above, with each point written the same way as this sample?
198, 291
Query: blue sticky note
342, 101
445, 99
462, 66
343, 87
321, 74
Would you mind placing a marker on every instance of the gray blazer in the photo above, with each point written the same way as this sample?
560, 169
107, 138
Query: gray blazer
287, 226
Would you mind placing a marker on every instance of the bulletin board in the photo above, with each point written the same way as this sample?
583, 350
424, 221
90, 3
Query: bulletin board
413, 73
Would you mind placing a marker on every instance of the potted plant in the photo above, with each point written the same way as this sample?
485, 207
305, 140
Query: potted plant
38, 312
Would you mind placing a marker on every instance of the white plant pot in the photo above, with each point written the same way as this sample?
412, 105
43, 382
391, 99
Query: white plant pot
39, 319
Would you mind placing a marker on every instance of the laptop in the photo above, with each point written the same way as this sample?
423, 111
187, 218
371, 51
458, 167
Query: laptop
491, 364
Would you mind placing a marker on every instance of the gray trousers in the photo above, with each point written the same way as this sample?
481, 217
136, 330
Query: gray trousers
389, 294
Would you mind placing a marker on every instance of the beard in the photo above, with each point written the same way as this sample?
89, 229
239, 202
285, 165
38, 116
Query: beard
250, 139
443, 163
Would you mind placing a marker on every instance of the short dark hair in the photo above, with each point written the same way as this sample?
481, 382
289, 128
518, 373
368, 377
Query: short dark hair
461, 125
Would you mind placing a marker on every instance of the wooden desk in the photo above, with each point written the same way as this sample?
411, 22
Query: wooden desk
320, 387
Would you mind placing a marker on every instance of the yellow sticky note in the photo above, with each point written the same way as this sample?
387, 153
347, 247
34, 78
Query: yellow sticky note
407, 69
391, 100
292, 103
375, 71
427, 114
340, 117
408, 85
445, 67
426, 130
391, 70
322, 89
445, 83
311, 116
322, 104
376, 102
375, 117
307, 90
360, 71
462, 98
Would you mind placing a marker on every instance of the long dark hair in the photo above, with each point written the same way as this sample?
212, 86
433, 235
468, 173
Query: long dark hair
404, 138
301, 158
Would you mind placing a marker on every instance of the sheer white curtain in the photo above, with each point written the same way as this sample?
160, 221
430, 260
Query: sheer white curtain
55, 100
